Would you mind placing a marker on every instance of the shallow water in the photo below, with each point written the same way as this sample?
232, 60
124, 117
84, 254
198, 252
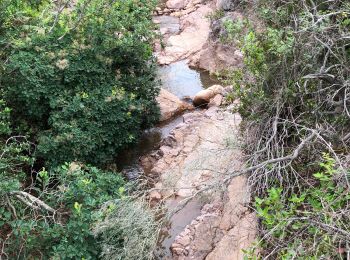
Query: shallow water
128, 160
176, 225
183, 81
180, 80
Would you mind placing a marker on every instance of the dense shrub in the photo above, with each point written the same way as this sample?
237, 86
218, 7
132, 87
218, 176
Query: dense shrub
313, 223
80, 77
62, 227
77, 82
294, 92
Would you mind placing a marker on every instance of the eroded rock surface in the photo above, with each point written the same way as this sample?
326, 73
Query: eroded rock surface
193, 34
199, 152
222, 230
170, 105
217, 54
189, 34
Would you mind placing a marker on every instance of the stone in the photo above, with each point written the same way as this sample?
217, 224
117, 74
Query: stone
216, 57
225, 225
216, 101
203, 97
176, 4
222, 230
215, 54
240, 237
225, 5
170, 105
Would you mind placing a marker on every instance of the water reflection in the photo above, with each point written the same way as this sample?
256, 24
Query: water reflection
182, 81
176, 225
150, 140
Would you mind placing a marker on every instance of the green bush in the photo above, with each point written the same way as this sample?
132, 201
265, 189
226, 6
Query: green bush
313, 223
77, 83
66, 233
81, 79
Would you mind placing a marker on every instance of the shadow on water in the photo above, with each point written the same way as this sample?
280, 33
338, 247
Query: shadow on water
128, 160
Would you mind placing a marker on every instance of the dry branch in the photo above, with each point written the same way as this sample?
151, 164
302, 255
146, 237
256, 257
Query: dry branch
31, 201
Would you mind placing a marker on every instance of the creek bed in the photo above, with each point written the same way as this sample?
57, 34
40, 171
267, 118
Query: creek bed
183, 82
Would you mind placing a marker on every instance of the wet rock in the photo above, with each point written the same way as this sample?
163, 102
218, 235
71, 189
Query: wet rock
204, 96
187, 99
170, 105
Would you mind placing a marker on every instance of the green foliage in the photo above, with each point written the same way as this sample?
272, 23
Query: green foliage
315, 213
233, 29
67, 234
77, 83
16, 154
82, 80
216, 15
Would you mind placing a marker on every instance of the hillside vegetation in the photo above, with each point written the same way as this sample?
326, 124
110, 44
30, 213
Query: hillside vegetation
294, 90
77, 86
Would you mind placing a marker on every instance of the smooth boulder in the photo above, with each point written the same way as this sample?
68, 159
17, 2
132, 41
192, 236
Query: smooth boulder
170, 105
203, 97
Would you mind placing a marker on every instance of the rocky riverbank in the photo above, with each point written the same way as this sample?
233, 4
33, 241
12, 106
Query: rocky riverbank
190, 31
202, 150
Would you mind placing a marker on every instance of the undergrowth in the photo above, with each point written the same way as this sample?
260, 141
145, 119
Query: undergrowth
294, 97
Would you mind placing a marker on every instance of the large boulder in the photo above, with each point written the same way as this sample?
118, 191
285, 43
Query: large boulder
170, 105
203, 97
217, 55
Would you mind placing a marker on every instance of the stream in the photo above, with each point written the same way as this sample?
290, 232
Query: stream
183, 82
